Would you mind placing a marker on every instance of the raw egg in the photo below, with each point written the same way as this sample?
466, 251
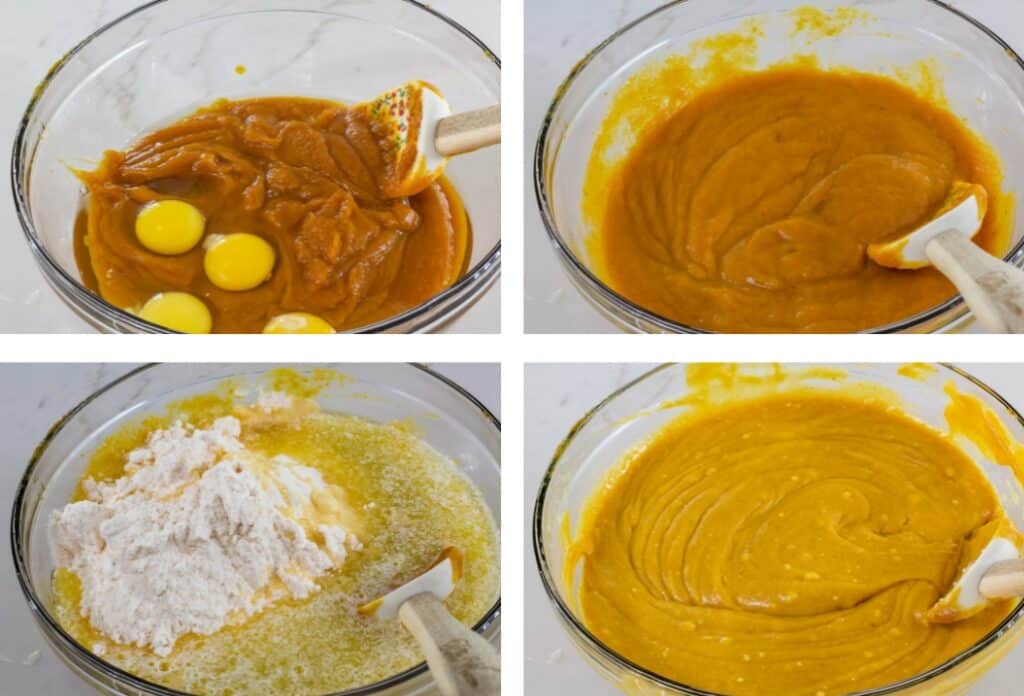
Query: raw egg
179, 311
297, 323
238, 261
169, 227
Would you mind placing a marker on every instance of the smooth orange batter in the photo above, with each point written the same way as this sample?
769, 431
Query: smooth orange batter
305, 175
751, 206
785, 544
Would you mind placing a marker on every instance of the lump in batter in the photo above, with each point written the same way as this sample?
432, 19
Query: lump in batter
750, 209
303, 176
789, 544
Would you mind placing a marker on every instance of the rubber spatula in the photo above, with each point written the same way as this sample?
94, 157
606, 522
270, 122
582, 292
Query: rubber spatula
992, 288
995, 572
418, 133
462, 662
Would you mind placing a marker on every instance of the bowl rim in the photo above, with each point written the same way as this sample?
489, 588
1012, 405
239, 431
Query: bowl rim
569, 618
125, 678
477, 277
1014, 256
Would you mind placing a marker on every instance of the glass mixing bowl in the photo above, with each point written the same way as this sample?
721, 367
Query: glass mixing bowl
613, 427
983, 79
167, 59
446, 417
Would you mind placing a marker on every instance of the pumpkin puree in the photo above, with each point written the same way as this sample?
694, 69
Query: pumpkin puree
790, 543
306, 175
750, 207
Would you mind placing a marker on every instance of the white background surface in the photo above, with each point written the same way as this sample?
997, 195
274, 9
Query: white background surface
558, 34
556, 397
34, 34
35, 397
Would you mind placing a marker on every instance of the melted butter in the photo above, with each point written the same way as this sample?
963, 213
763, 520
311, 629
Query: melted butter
306, 384
410, 502
327, 506
781, 538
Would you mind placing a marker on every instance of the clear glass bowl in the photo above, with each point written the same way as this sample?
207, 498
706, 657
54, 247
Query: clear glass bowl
167, 59
983, 78
613, 427
448, 418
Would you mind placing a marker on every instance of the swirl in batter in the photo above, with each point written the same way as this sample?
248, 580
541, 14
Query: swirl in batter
789, 544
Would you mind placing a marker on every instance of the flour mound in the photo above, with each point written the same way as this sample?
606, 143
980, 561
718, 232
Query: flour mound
199, 533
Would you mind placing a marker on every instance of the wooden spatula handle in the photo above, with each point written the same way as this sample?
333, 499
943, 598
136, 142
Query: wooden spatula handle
1003, 580
992, 288
468, 131
462, 662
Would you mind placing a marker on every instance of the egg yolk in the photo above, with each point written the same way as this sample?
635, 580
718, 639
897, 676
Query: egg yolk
298, 323
238, 261
169, 227
178, 311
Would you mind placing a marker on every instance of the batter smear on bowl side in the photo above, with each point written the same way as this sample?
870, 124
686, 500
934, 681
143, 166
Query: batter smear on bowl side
727, 195
787, 543
226, 549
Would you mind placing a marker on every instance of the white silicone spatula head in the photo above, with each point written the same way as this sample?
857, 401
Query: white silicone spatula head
439, 580
461, 661
404, 120
963, 211
994, 544
991, 287
417, 132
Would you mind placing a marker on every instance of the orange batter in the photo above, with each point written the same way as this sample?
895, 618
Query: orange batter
785, 544
750, 208
304, 175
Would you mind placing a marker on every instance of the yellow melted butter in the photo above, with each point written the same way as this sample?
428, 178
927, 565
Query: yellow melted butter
327, 506
410, 502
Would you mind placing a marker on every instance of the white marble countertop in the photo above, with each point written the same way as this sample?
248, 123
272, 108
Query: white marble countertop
556, 397
33, 35
558, 34
36, 396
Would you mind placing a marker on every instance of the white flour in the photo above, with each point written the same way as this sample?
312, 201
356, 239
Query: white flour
199, 533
